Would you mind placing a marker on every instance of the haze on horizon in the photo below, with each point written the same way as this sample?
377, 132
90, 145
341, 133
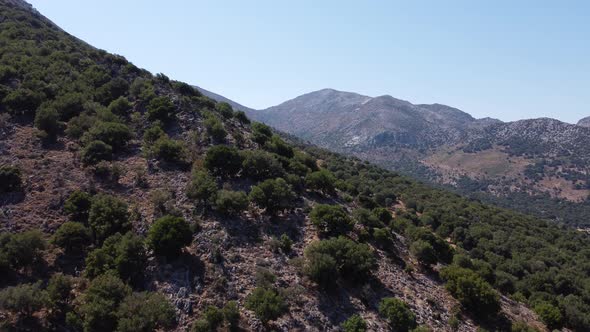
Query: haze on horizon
503, 60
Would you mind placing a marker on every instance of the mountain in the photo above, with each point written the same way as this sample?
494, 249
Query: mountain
585, 122
537, 166
132, 202
220, 98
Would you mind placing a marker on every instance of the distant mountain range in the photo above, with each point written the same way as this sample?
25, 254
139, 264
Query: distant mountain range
538, 166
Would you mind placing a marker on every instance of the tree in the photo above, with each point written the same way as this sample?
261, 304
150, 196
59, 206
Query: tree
225, 109
273, 195
59, 291
23, 299
215, 128
231, 314
278, 146
549, 314
108, 215
242, 117
231, 202
47, 120
10, 179
101, 301
95, 152
223, 160
23, 101
261, 165
397, 313
114, 134
152, 134
330, 220
120, 106
471, 290
72, 236
161, 108
78, 204
23, 249
202, 187
261, 133
266, 303
67, 105
424, 252
354, 323
145, 312
169, 150
168, 235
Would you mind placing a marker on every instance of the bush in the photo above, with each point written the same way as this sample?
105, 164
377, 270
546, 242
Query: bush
114, 134
108, 215
397, 313
78, 204
330, 220
231, 202
261, 133
22, 250
337, 257
215, 128
223, 160
101, 301
168, 235
68, 105
10, 179
122, 255
260, 165
471, 290
47, 120
23, 299
161, 108
23, 101
145, 312
58, 292
354, 323
549, 314
95, 152
266, 303
202, 188
278, 146
225, 110
424, 252
152, 134
172, 151
285, 243
231, 314
78, 125
242, 117
72, 236
120, 106
113, 89
383, 215
273, 195
366, 218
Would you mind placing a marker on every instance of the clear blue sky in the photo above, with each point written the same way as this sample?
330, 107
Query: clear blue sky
504, 59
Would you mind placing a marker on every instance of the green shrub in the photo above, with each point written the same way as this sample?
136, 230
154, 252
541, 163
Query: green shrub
273, 195
24, 299
145, 312
285, 243
23, 101
59, 292
95, 152
266, 303
260, 165
108, 215
366, 218
168, 235
278, 146
114, 134
10, 179
223, 160
22, 250
122, 255
549, 314
120, 106
152, 134
383, 215
330, 220
78, 204
172, 151
322, 180
225, 110
231, 314
522, 327
68, 105
242, 117
231, 202
202, 188
72, 236
354, 323
261, 133
397, 313
424, 252
215, 128
161, 108
80, 124
47, 120
111, 90
471, 290
337, 257
101, 301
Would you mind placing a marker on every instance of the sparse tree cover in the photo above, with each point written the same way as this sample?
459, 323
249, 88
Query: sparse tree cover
108, 215
223, 160
330, 220
168, 235
10, 179
274, 195
398, 314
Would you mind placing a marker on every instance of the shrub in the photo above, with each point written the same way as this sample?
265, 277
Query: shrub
266, 303
241, 116
113, 89
78, 204
23, 101
231, 314
522, 327
161, 108
215, 128
101, 301
145, 312
169, 150
22, 250
10, 179
231, 202
273, 195
260, 165
549, 314
202, 187
225, 109
383, 215
95, 152
278, 146
424, 252
337, 257
366, 218
223, 160
78, 125
397, 313
330, 220
108, 215
72, 236
23, 299
285, 243
47, 120
122, 255
471, 290
114, 134
68, 105
168, 235
354, 323
261, 133
152, 134
120, 106
58, 292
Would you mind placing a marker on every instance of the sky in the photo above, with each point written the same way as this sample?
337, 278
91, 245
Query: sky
504, 59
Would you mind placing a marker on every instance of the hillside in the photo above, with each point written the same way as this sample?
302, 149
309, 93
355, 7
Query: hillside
585, 122
132, 202
536, 166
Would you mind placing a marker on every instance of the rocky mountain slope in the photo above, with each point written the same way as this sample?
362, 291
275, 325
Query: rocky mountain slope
537, 166
585, 122
131, 202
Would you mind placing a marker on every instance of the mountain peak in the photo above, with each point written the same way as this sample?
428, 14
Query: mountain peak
585, 122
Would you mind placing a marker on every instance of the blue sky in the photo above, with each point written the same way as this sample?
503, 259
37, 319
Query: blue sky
505, 59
